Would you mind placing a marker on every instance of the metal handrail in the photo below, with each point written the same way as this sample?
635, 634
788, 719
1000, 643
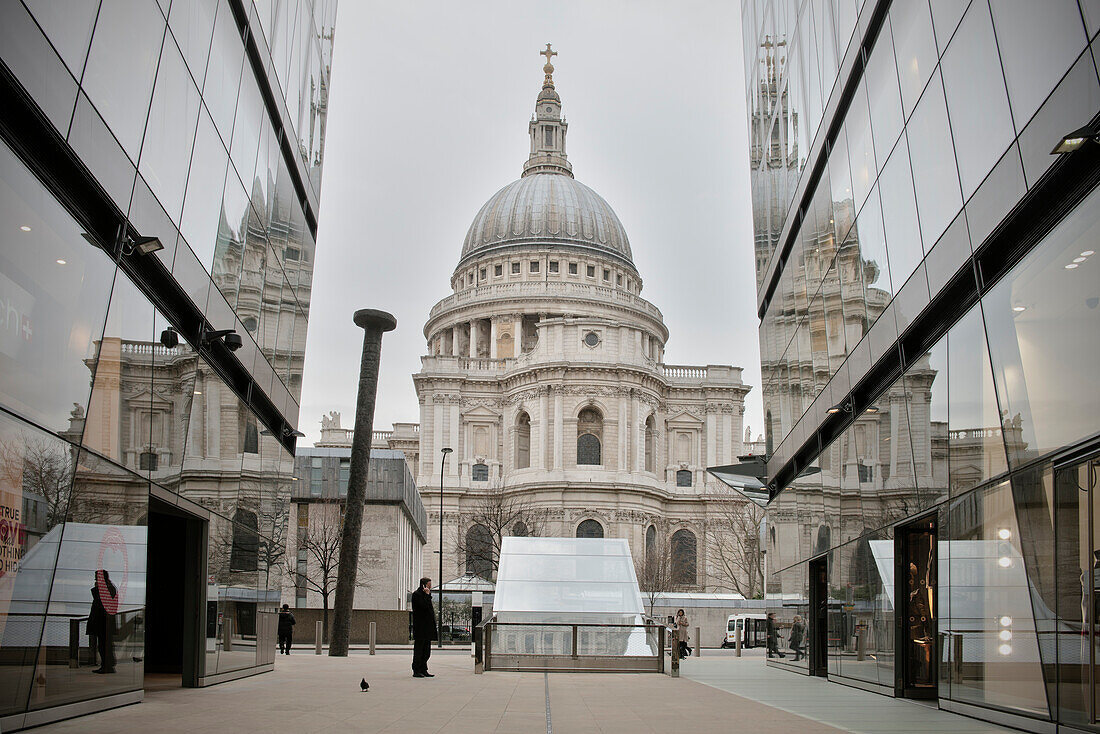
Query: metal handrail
483, 652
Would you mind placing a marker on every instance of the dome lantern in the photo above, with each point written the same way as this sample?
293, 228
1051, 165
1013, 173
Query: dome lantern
547, 128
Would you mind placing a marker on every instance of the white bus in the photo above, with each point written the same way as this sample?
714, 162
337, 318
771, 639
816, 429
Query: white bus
752, 627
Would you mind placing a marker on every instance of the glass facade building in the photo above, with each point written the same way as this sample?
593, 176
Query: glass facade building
929, 333
160, 167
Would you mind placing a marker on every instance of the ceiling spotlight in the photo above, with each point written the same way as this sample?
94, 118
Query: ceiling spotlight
1071, 266
60, 261
1005, 635
25, 228
1005, 649
1004, 533
1004, 561
1019, 309
1079, 259
1005, 621
1077, 139
1087, 253
871, 409
142, 246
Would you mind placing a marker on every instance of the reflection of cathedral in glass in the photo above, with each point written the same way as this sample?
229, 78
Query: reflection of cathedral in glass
928, 340
146, 461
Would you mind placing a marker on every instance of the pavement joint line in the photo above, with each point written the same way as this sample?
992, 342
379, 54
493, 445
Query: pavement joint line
546, 684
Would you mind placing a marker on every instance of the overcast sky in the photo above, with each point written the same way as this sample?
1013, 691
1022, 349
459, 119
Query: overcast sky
428, 115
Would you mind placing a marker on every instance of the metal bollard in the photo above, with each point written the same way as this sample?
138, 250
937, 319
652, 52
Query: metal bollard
318, 637
675, 653
372, 631
74, 643
861, 646
698, 642
227, 633
738, 634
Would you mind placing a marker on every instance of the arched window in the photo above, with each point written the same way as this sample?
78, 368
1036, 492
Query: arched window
589, 437
520, 529
246, 542
479, 472
590, 529
479, 552
683, 478
650, 442
683, 558
523, 440
824, 536
650, 541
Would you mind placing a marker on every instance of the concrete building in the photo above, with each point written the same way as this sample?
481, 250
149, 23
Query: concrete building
160, 171
927, 291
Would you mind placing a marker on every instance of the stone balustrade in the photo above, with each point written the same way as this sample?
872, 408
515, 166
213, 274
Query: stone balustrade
563, 289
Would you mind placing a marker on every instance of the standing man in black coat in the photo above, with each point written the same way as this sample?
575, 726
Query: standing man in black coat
423, 628
286, 629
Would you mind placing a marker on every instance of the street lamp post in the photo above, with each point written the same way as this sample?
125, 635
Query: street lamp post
442, 464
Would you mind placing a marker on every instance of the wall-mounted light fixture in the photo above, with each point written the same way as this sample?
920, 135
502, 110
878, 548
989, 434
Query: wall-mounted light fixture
1079, 138
142, 246
846, 407
170, 338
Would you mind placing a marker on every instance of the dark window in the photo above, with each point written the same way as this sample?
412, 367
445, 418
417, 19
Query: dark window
249, 324
534, 266
148, 461
619, 279
590, 529
515, 268
479, 552
683, 558
246, 542
345, 474
591, 271
520, 529
650, 541
683, 478
293, 253
523, 441
553, 266
588, 450
482, 274
866, 472
251, 442
591, 338
547, 136
606, 274
498, 270
315, 477
480, 472
572, 268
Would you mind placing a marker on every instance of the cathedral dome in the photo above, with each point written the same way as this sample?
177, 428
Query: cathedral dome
547, 209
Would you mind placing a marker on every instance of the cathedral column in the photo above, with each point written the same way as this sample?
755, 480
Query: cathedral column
493, 334
712, 437
473, 339
639, 436
437, 427
517, 335
559, 430
453, 466
624, 432
454, 340
544, 433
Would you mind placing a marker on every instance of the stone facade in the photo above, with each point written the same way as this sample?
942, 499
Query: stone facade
545, 374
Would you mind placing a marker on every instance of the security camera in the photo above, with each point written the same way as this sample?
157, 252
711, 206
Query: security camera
233, 341
228, 337
170, 338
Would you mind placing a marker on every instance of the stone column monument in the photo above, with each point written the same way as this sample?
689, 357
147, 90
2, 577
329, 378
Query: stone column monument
374, 324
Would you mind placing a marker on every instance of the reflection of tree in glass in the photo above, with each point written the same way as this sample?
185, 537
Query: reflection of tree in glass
734, 558
42, 467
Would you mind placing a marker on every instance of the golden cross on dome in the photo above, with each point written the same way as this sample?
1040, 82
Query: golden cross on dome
548, 53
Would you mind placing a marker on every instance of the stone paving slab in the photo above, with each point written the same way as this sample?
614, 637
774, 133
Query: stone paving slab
849, 709
307, 693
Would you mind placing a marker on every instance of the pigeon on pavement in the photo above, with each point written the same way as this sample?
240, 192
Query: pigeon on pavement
363, 685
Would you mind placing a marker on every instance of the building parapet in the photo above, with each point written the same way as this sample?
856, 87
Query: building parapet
509, 291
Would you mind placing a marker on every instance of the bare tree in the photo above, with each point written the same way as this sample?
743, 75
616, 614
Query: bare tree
734, 559
492, 516
320, 540
653, 566
43, 467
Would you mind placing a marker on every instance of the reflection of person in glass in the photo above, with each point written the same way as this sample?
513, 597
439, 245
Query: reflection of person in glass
798, 631
100, 622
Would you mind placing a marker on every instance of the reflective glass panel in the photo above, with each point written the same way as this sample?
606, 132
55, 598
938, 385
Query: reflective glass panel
935, 175
914, 47
121, 65
1043, 320
54, 290
977, 103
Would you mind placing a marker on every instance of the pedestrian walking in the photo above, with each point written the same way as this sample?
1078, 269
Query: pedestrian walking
286, 629
773, 637
798, 632
424, 631
685, 633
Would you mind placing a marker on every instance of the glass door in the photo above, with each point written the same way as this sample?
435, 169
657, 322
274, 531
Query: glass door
917, 586
1078, 546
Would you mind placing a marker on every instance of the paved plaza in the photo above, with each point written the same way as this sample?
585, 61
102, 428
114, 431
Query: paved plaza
717, 692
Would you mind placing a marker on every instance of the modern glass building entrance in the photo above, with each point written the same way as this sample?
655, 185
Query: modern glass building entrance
930, 331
